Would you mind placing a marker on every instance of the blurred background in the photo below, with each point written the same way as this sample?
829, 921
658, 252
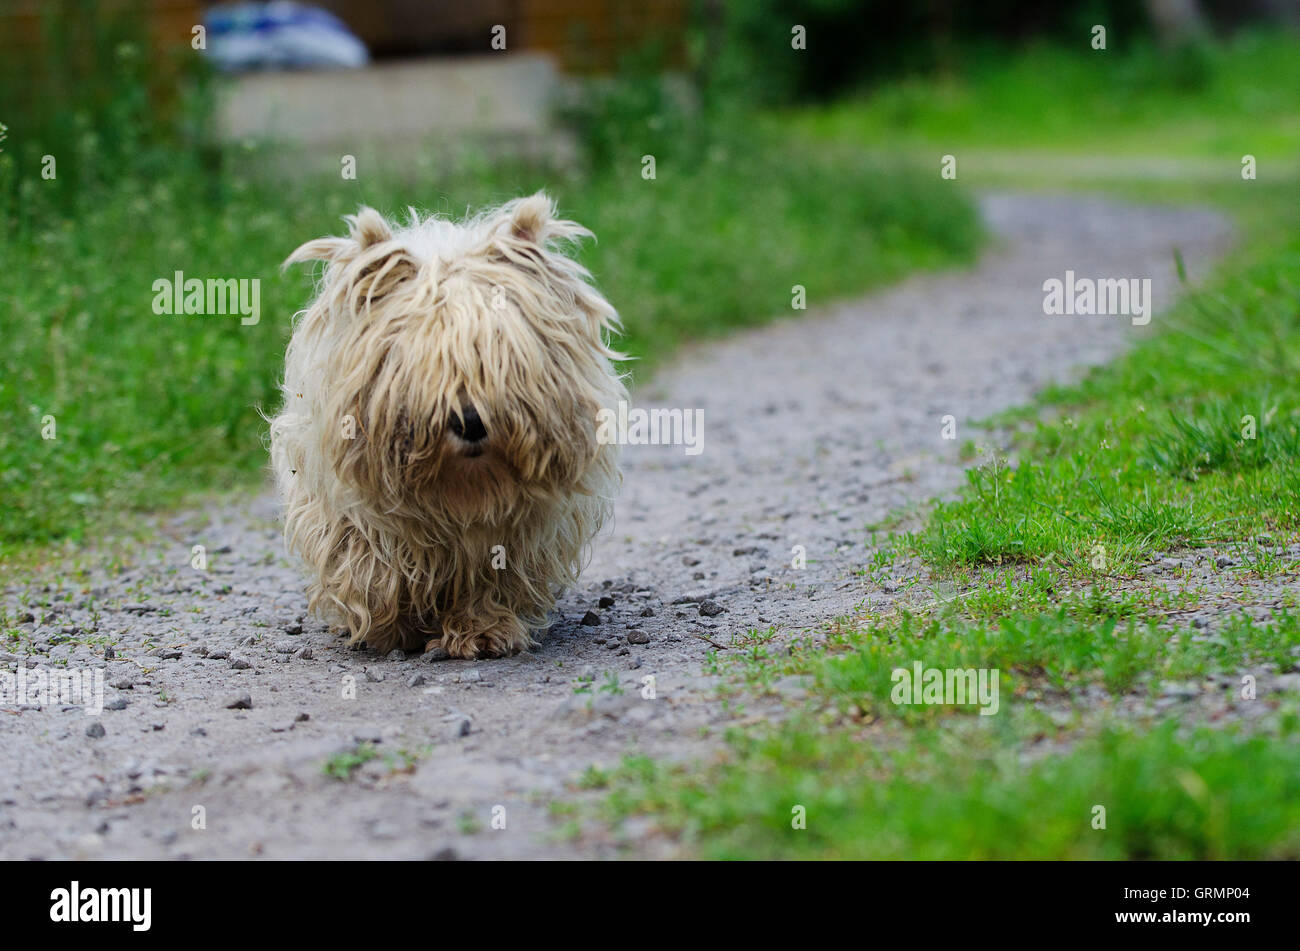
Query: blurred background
793, 142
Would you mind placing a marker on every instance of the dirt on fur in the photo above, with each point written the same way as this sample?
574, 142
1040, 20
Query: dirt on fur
236, 726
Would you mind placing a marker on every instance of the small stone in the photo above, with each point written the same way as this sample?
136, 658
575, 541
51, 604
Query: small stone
218, 655
284, 647
435, 653
117, 703
470, 677
302, 718
690, 561
302, 653
416, 680
294, 629
198, 731
96, 730
374, 676
396, 655
638, 637
123, 683
368, 735
747, 550
170, 654
459, 727
647, 611
606, 602
241, 701
1223, 561
711, 608
239, 663
590, 619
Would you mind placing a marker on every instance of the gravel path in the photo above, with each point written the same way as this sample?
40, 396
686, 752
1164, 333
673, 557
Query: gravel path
224, 701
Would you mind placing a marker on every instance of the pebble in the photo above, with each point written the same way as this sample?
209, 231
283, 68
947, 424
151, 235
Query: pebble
711, 608
638, 637
590, 619
606, 602
96, 730
459, 727
239, 663
241, 701
117, 703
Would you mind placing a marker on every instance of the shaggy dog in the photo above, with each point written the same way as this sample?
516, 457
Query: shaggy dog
437, 451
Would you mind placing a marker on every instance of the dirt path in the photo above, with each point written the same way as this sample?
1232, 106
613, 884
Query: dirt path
813, 428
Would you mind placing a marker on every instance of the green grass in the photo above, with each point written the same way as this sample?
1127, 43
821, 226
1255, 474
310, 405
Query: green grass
1167, 794
340, 766
150, 409
1060, 651
1191, 438
1203, 101
1108, 695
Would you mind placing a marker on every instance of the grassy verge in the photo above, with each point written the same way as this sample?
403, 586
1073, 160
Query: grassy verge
960, 794
1193, 437
1202, 101
1122, 555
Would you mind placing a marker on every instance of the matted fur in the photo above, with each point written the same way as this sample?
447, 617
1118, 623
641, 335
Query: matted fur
399, 523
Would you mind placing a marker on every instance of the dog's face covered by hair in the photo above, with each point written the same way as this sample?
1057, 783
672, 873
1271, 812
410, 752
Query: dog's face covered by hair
440, 409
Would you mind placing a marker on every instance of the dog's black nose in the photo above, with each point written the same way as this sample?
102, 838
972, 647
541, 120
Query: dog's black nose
468, 426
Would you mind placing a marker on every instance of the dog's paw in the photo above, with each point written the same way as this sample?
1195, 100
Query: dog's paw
483, 645
504, 640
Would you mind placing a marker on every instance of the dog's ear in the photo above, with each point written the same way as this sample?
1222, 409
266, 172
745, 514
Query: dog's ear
526, 226
367, 228
530, 217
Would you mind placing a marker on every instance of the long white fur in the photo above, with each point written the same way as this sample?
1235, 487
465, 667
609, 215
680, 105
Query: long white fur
398, 525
